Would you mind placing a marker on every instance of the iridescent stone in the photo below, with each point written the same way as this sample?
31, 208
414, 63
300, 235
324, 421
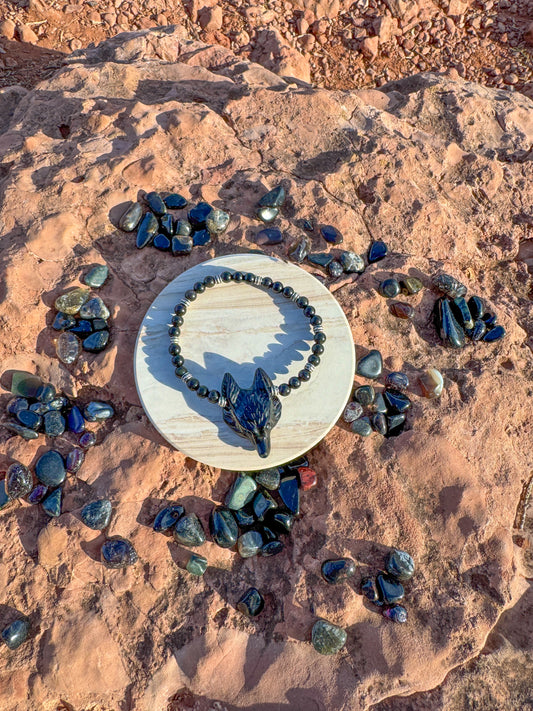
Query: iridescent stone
450, 332
75, 420
462, 312
327, 638
167, 518
217, 221
87, 439
397, 403
189, 530
389, 589
282, 522
389, 288
68, 347
321, 259
331, 234
478, 331
223, 527
96, 276
82, 328
290, 494
19, 480
201, 238
131, 218
72, 301
249, 544
402, 310
196, 565
371, 365
401, 565
94, 308
97, 411
16, 633
63, 321
379, 423
299, 250
4, 498
494, 334
162, 243
25, 384
410, 285
54, 423
16, 405
182, 228
335, 269
181, 245
251, 603
175, 201
155, 203
74, 460
46, 393
244, 518
352, 411
147, 230
50, 468
97, 514
267, 214
52, 503
24, 432
397, 381
118, 552
268, 478
271, 548
365, 395
396, 613
337, 570
262, 504
166, 224
378, 251
96, 342
370, 591
274, 197
352, 262
449, 285
39, 407
395, 424
30, 419
431, 383
58, 403
476, 307
37, 494
361, 427
307, 478
198, 215
270, 235
241, 492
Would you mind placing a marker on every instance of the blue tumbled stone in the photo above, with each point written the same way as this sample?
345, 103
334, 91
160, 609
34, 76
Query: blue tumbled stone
82, 328
63, 321
290, 494
390, 590
371, 365
96, 342
50, 468
4, 498
270, 235
17, 404
54, 423
16, 633
378, 250
198, 214
338, 570
175, 201
200, 238
30, 419
396, 613
117, 552
494, 334
75, 420
97, 411
74, 460
97, 514
37, 494
52, 504
167, 518
223, 527
162, 242
331, 234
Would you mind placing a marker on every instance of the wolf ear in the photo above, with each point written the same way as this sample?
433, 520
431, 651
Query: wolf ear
230, 389
263, 381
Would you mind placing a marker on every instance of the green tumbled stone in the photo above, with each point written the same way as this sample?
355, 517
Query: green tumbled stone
327, 638
241, 492
365, 395
52, 503
268, 478
362, 427
94, 308
25, 384
189, 530
72, 301
197, 564
411, 285
96, 276
249, 544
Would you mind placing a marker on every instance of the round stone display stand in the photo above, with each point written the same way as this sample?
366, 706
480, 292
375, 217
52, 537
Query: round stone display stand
237, 328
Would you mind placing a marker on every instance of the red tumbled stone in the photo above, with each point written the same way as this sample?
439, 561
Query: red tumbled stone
307, 478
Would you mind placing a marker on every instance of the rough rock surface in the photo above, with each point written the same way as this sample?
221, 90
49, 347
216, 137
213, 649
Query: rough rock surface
439, 169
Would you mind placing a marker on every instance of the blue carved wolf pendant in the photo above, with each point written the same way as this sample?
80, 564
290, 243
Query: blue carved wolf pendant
254, 412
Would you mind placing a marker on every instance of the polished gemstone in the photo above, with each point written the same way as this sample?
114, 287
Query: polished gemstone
337, 570
331, 234
166, 223
449, 285
397, 381
97, 514
267, 214
75, 421
72, 301
402, 310
361, 426
489, 319
478, 331
99, 324
370, 591
167, 518
249, 544
262, 504
282, 522
321, 259
271, 548
307, 478
270, 235
274, 197
96, 342
39, 407
268, 478
189, 530
74, 460
54, 423
371, 365
395, 424
244, 517
379, 404
118, 552
147, 230
52, 503
96, 276
16, 633
196, 565
251, 603
46, 393
396, 613
198, 215
94, 308
82, 328
494, 334
155, 203
58, 403
181, 245
397, 403
410, 285
19, 480
201, 238
182, 228
50, 468
24, 432
217, 221
37, 494
87, 439
449, 330
30, 419
290, 494
378, 251
335, 269
365, 395
379, 423
431, 383
175, 201
401, 565
352, 411
16, 405
4, 498
97, 411
298, 462
24, 384
299, 250
389, 288
462, 312
241, 492
476, 307
63, 321
131, 218
68, 347
351, 262
390, 590
223, 527
327, 638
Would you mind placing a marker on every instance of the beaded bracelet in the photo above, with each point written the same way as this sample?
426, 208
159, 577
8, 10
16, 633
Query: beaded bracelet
253, 412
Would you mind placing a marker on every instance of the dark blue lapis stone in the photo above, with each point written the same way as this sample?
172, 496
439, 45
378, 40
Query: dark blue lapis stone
37, 494
262, 504
54, 423
389, 589
97, 411
167, 518
63, 321
450, 332
52, 503
331, 234
244, 518
251, 603
338, 570
400, 565
16, 633
87, 439
175, 201
290, 494
198, 214
479, 330
476, 307
167, 225
397, 403
147, 230
162, 242
379, 423
395, 425
82, 328
271, 548
274, 198
181, 245
270, 235
118, 552
370, 591
370, 366
494, 334
378, 250
396, 613
74, 460
97, 514
462, 312
155, 203
19, 481
75, 421
189, 530
96, 342
281, 522
223, 527
50, 469
200, 238
321, 259
30, 419
17, 404
4, 498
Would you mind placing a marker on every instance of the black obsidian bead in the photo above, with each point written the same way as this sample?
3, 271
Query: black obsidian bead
199, 287
288, 291
249, 277
174, 331
318, 349
178, 360
277, 287
213, 396
314, 360
294, 383
316, 321
209, 281
174, 349
267, 282
226, 276
202, 391
177, 320
190, 295
320, 337
302, 302
309, 311
304, 375
193, 384
284, 389
180, 309
237, 276
180, 371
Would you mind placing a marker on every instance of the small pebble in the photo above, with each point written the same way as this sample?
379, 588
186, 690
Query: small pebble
167, 518
223, 527
97, 411
74, 460
24, 384
307, 478
365, 395
331, 234
249, 544
251, 603
46, 393
19, 480
30, 419
270, 235
97, 514
118, 552
395, 425
378, 251
327, 638
262, 504
396, 613
290, 494
16, 633
54, 423
24, 432
131, 217
50, 469
321, 259
196, 565
352, 262
335, 269
82, 328
155, 203
162, 242
352, 411
96, 276
402, 310
16, 405
217, 221
401, 565
241, 492
371, 365
146, 231
476, 307
96, 342
75, 421
449, 285
268, 478
370, 591
183, 228
52, 503
494, 334
397, 403
71, 302
299, 250
175, 201
390, 590
201, 237
338, 570
87, 439
63, 321
267, 214
362, 427
431, 383
68, 347
4, 498
379, 423
397, 381
489, 319
181, 245
189, 531
37, 494
274, 198
389, 288
94, 308
411, 286
379, 404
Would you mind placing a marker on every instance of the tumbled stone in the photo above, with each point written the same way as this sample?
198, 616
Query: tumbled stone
379, 404
251, 603
46, 393
449, 285
489, 319
431, 383
30, 419
75, 420
74, 460
307, 478
352, 411
241, 491
365, 395
52, 503
182, 228
249, 544
4, 498
274, 197
181, 245
58, 403
19, 480
54, 423
96, 342
370, 591
494, 334
327, 638
271, 548
396, 613
351, 262
37, 494
196, 565
68, 347
99, 324
298, 462
450, 332
321, 259
17, 404
162, 242
262, 504
223, 527
155, 203
118, 552
389, 589
244, 518
201, 238
290, 494
72, 301
371, 365
270, 235
147, 230
63, 321
97, 514
268, 478
397, 403
166, 223
397, 381
16, 633
189, 530
39, 407
94, 308
131, 217
378, 251
24, 384
281, 521
389, 288
87, 439
476, 307
299, 250
478, 331
96, 276
331, 234
395, 424
175, 201
267, 214
217, 221
410, 286
97, 411
402, 310
198, 215
462, 313
335, 269
379, 423
361, 427
337, 570
167, 518
50, 469
401, 565
82, 328
24, 432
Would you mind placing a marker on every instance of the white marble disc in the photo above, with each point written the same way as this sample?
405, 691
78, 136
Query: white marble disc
237, 328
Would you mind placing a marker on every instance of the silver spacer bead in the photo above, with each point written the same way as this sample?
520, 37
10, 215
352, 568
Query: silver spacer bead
186, 377
218, 279
318, 329
309, 367
174, 339
258, 279
295, 297
185, 302
222, 402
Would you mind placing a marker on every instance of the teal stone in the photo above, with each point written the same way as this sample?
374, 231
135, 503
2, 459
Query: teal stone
54, 423
52, 504
19, 480
365, 395
46, 393
401, 565
63, 321
97, 514
94, 308
147, 230
268, 478
201, 238
72, 301
96, 276
96, 342
99, 324
25, 384
321, 259
50, 469
16, 633
494, 334
24, 432
371, 365
4, 498
223, 527
327, 638
362, 427
189, 530
197, 564
274, 197
97, 411
251, 603
241, 492
249, 544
